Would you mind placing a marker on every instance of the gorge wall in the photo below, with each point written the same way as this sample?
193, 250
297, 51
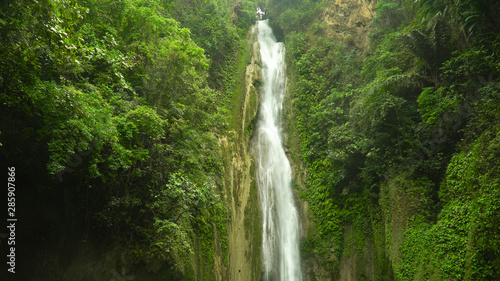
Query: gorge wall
378, 157
244, 257
348, 21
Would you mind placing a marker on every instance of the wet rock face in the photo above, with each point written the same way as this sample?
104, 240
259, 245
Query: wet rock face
244, 231
348, 21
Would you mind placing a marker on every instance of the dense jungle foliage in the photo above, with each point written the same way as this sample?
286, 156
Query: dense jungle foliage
401, 140
110, 113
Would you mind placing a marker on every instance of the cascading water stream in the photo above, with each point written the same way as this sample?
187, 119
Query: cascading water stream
280, 241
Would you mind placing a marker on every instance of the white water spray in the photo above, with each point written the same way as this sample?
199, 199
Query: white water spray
280, 237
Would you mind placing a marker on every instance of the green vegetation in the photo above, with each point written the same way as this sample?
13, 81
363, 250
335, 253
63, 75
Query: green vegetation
112, 110
400, 139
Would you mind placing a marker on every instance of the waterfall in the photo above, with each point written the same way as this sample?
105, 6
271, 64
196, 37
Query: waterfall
280, 222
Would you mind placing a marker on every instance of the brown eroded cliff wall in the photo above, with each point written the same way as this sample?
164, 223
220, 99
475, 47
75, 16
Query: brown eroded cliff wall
347, 21
244, 262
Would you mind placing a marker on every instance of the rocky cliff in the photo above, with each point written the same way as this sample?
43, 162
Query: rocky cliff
245, 228
347, 21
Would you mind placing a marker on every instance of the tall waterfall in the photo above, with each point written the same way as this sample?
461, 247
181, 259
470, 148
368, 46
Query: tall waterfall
280, 241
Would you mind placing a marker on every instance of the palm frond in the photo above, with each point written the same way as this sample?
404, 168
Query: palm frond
412, 79
441, 37
420, 45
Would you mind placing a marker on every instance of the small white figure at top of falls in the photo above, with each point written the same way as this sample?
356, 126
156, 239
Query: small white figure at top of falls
260, 13
280, 220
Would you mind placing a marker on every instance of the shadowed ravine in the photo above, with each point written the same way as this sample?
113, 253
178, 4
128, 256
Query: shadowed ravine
280, 241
